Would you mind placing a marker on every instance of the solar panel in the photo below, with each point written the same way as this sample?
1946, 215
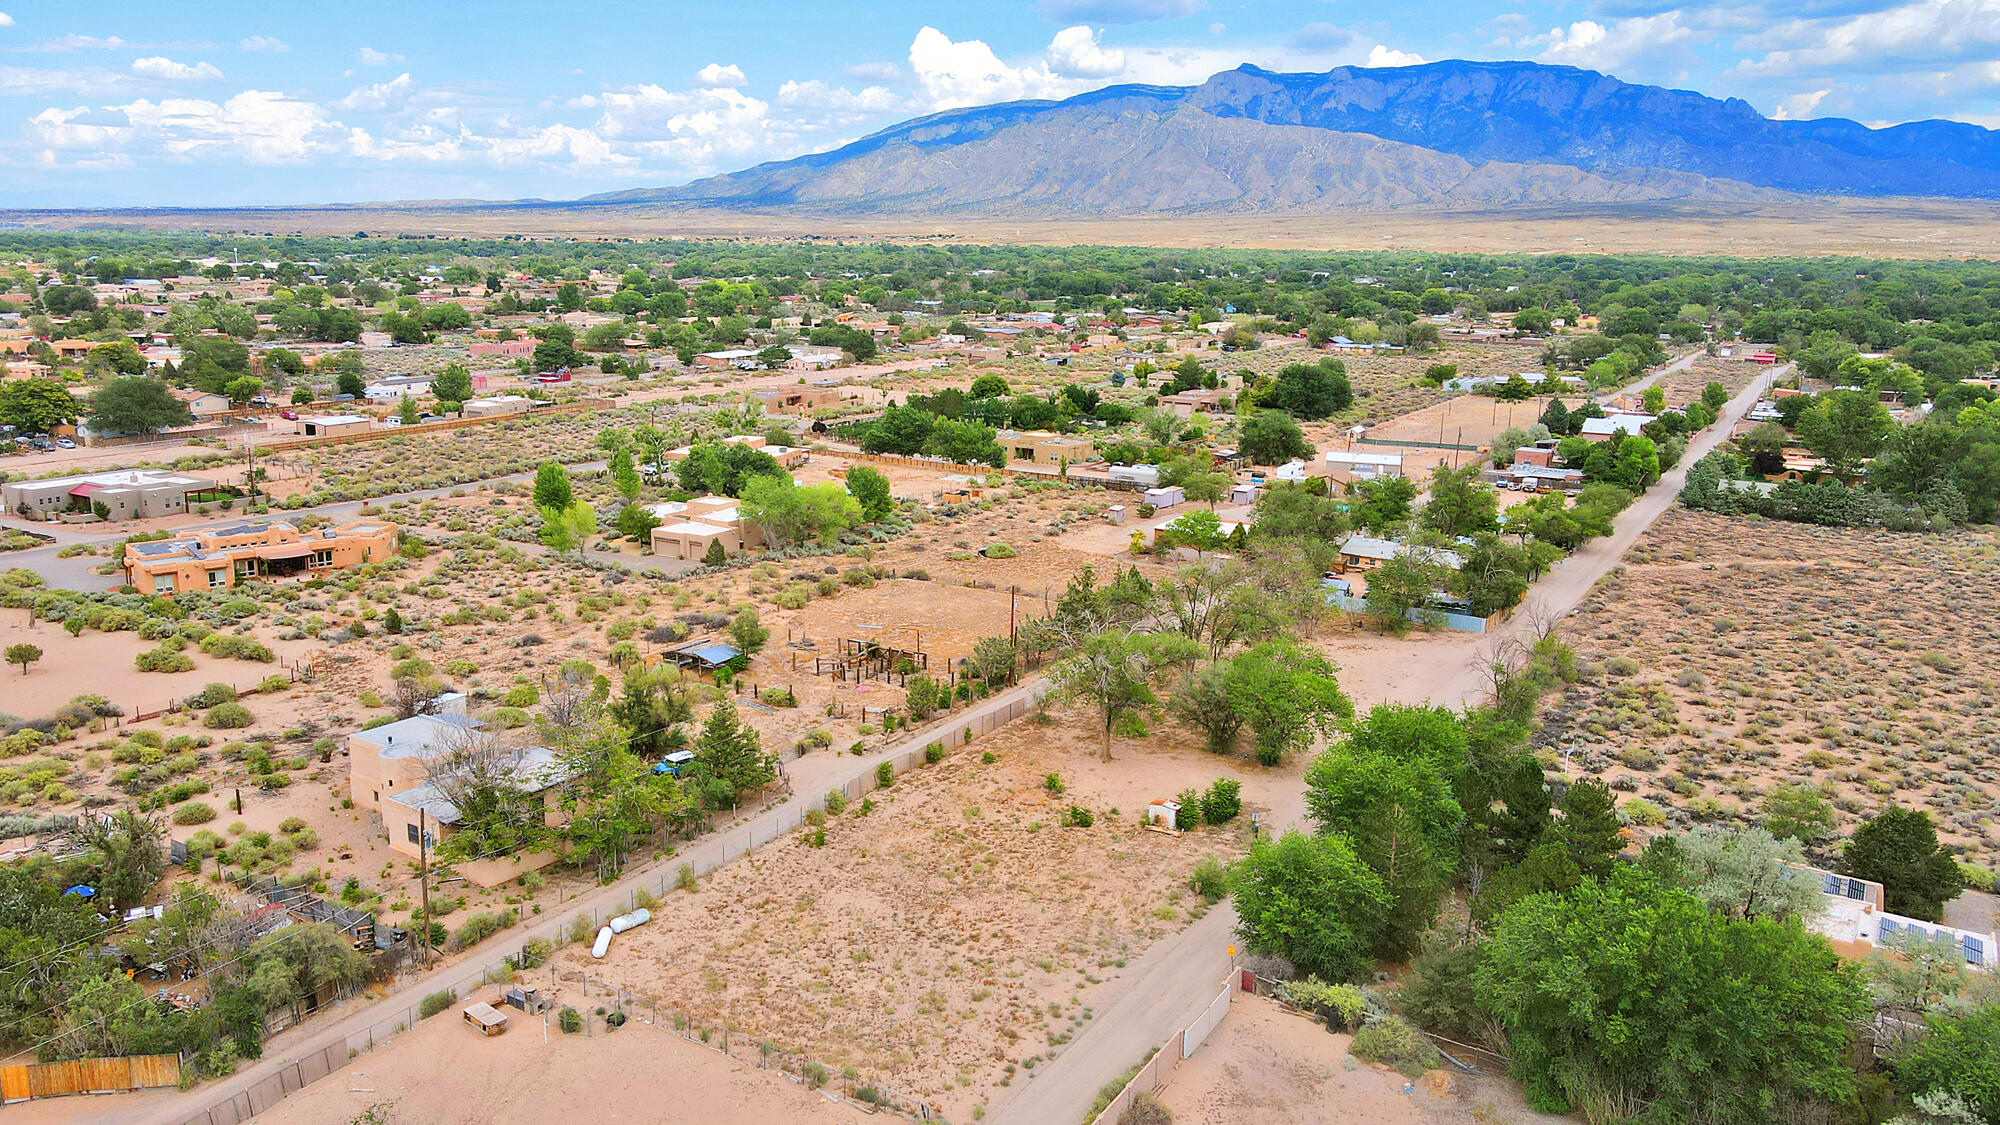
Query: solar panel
1831, 883
1975, 950
1856, 889
1889, 927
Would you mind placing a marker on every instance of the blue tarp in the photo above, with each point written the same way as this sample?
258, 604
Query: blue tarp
82, 891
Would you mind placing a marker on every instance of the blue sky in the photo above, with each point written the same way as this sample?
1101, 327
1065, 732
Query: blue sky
200, 102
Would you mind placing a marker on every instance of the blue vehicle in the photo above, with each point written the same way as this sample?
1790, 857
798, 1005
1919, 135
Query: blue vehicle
674, 763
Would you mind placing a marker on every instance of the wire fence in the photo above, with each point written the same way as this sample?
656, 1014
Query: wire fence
234, 1105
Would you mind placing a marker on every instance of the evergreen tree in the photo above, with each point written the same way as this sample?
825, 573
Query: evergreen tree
1899, 849
1590, 829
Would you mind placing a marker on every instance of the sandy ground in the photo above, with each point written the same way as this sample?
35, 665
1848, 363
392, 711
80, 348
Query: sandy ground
958, 930
102, 664
1468, 420
1269, 1064
637, 1073
1892, 228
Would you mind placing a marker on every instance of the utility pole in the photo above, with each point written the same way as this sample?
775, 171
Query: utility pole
424, 864
1013, 596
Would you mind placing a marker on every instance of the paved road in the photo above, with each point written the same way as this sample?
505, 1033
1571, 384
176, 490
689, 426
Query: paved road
1164, 989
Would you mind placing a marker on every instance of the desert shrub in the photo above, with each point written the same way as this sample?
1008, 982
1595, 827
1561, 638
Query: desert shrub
435, 1002
570, 1020
1223, 801
1210, 879
228, 716
1146, 1109
237, 648
479, 927
164, 659
521, 695
923, 696
1076, 816
885, 775
194, 812
1395, 1043
1000, 551
1340, 1005
836, 802
934, 753
1643, 813
1622, 666
1053, 783
211, 695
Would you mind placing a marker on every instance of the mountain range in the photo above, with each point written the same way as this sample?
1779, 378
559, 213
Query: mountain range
1448, 135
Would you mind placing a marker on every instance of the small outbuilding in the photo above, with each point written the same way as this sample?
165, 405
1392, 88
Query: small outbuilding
486, 1018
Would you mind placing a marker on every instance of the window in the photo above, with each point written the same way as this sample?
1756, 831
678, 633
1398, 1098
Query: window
218, 577
413, 833
323, 558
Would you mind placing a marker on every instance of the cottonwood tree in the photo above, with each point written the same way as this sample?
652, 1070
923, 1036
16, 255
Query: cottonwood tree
1117, 671
481, 774
1311, 900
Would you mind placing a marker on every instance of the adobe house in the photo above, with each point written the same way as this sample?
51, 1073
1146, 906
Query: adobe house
223, 556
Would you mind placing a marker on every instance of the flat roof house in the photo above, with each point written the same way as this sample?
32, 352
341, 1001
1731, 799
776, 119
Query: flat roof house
396, 756
128, 493
1601, 429
224, 556
1366, 466
703, 521
497, 405
1045, 448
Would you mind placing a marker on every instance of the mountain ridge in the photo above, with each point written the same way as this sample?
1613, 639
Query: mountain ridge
1451, 134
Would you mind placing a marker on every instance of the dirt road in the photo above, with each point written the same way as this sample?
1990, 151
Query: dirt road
1174, 980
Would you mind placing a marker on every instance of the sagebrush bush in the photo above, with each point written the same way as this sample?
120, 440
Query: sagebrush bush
1395, 1043
194, 812
228, 716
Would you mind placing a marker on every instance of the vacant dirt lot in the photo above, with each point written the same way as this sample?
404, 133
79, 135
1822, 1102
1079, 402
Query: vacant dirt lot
953, 931
1268, 1064
1733, 654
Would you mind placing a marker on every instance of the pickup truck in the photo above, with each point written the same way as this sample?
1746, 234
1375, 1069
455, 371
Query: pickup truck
674, 763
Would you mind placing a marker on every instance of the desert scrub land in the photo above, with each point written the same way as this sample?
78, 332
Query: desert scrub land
1733, 655
947, 933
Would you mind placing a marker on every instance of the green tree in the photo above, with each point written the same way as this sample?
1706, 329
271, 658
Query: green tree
1845, 428
728, 750
569, 528
1310, 390
1404, 583
23, 654
1383, 505
1311, 900
406, 411
635, 522
1798, 812
773, 356
871, 490
1116, 672
453, 384
1460, 503
1959, 1053
242, 389
748, 633
1747, 873
349, 383
1632, 994
120, 356
989, 386
1286, 692
135, 405
128, 851
1270, 437
789, 512
624, 474
36, 406
1899, 849
552, 487
1590, 830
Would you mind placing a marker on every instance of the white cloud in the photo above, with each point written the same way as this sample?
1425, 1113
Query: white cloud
264, 43
874, 71
6, 20
1378, 55
1930, 30
1217, 28
715, 74
380, 96
1076, 53
1596, 46
75, 42
1800, 107
260, 126
1117, 11
21, 81
161, 67
969, 73
369, 56
60, 129
816, 94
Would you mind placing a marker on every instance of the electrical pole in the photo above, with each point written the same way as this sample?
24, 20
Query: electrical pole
424, 865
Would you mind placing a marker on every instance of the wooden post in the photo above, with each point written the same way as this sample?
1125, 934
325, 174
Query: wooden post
424, 865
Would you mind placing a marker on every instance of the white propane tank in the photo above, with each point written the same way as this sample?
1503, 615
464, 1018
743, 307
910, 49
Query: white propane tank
603, 942
625, 922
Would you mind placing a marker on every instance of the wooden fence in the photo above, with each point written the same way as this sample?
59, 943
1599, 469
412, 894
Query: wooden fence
88, 1076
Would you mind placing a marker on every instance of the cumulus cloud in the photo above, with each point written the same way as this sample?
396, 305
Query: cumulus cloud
379, 97
816, 94
1597, 46
966, 73
369, 56
715, 74
1117, 11
166, 69
6, 20
59, 129
1076, 53
1379, 55
22, 81
264, 43
1800, 107
260, 126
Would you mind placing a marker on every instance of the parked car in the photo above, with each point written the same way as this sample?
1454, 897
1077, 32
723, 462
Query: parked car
65, 443
674, 763
289, 415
